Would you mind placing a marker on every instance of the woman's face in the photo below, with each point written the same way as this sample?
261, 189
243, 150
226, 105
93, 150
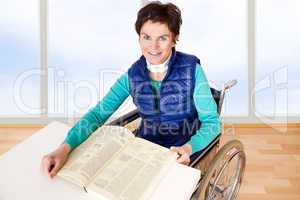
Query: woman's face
156, 42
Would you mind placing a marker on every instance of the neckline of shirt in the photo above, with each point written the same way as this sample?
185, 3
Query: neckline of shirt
160, 68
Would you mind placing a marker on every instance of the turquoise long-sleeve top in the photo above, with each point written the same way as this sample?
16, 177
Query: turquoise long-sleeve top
97, 116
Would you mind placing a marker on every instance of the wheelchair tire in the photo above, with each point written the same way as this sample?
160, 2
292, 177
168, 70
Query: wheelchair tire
209, 188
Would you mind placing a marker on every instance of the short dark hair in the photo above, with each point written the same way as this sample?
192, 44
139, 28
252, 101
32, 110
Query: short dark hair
156, 11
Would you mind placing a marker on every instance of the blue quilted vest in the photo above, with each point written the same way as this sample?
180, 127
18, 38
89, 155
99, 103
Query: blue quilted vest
169, 116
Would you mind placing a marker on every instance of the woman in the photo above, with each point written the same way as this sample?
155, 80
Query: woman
168, 87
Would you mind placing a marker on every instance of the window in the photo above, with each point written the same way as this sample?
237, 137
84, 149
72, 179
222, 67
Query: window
277, 48
19, 59
91, 44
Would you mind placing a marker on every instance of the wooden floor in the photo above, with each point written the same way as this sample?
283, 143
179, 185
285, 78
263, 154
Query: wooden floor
273, 159
273, 162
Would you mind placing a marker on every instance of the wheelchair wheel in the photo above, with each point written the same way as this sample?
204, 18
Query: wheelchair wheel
223, 177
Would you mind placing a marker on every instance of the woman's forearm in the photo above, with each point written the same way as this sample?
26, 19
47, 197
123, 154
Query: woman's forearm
98, 115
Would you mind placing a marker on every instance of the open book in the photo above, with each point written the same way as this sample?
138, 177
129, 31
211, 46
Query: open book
113, 164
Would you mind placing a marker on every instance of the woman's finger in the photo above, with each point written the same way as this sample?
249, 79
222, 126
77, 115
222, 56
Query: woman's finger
46, 163
184, 159
172, 148
55, 168
175, 150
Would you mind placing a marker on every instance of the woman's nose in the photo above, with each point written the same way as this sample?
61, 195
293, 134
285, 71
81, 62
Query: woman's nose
154, 45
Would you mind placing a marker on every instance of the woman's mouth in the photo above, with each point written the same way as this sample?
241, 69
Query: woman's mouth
154, 53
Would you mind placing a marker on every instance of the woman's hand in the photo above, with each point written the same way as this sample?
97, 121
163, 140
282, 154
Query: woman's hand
184, 152
52, 162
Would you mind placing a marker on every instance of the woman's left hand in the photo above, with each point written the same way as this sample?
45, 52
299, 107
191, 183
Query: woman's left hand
184, 153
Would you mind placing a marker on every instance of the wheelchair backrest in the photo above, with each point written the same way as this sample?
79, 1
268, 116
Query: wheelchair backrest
217, 95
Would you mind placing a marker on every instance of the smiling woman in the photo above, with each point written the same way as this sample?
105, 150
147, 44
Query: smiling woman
158, 36
156, 42
176, 107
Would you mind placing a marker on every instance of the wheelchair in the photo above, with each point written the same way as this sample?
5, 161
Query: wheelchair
222, 168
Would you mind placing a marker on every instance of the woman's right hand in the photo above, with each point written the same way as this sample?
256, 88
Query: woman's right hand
52, 162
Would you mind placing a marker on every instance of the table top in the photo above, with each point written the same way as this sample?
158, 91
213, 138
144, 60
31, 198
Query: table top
22, 178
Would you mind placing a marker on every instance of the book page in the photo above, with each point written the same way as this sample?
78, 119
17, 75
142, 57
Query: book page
134, 173
94, 153
178, 184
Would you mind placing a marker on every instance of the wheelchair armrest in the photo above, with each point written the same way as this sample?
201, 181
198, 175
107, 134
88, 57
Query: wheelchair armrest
197, 156
125, 119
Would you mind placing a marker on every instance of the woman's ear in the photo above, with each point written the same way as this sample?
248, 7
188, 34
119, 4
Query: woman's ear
175, 40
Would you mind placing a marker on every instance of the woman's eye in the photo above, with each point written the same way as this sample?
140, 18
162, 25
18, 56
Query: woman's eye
162, 38
146, 37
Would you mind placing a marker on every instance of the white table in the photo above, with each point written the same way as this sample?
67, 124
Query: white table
22, 179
